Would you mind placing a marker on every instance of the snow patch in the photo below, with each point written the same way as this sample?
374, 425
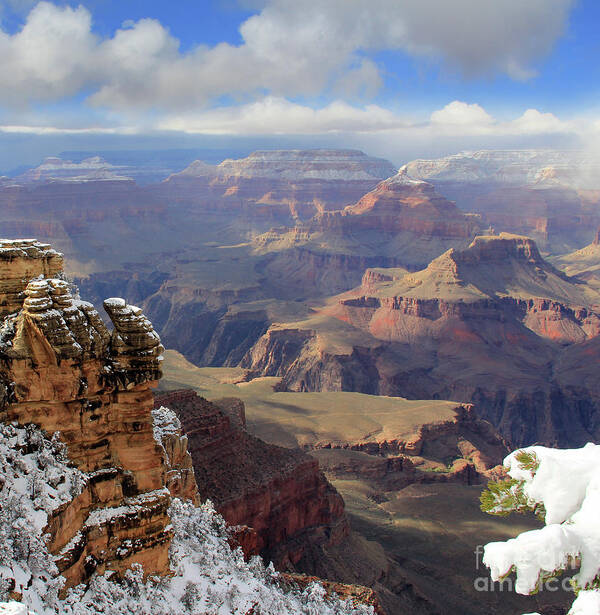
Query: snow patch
567, 484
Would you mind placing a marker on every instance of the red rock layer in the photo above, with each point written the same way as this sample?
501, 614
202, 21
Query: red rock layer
399, 205
278, 492
494, 325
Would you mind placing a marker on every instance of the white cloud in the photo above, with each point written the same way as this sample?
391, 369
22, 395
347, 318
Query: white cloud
458, 113
279, 116
57, 130
533, 121
289, 49
49, 58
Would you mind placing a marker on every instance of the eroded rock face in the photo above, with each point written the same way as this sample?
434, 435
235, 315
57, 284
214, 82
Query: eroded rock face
402, 222
462, 449
20, 262
280, 493
494, 325
62, 370
280, 185
551, 195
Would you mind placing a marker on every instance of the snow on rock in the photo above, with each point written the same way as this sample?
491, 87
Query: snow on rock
297, 165
55, 169
35, 480
165, 423
517, 167
587, 603
14, 608
567, 484
208, 577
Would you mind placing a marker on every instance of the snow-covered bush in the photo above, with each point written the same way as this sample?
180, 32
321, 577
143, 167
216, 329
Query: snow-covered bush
209, 578
563, 488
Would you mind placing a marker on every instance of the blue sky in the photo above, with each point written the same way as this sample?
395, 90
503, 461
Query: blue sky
397, 77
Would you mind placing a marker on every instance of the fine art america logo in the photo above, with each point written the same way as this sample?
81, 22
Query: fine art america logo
485, 583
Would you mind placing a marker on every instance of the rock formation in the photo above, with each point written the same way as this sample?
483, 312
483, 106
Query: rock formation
356, 593
280, 185
401, 222
210, 300
410, 472
280, 493
72, 392
65, 372
583, 263
495, 325
56, 169
551, 195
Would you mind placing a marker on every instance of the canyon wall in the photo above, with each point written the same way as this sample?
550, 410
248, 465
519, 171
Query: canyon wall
280, 493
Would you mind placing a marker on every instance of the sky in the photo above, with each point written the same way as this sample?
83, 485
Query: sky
398, 78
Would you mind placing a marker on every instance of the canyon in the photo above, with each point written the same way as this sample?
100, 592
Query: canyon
495, 325
65, 372
226, 302
280, 185
73, 392
550, 195
279, 494
213, 300
336, 304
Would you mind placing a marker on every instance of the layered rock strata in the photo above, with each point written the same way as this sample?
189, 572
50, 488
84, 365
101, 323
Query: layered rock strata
280, 185
495, 325
64, 371
551, 195
402, 222
280, 493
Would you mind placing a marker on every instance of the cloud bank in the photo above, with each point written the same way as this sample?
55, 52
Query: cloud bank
278, 116
138, 81
290, 49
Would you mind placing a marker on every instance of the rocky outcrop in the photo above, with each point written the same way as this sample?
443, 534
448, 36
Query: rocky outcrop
62, 370
356, 593
402, 204
20, 262
279, 493
402, 222
462, 449
494, 325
